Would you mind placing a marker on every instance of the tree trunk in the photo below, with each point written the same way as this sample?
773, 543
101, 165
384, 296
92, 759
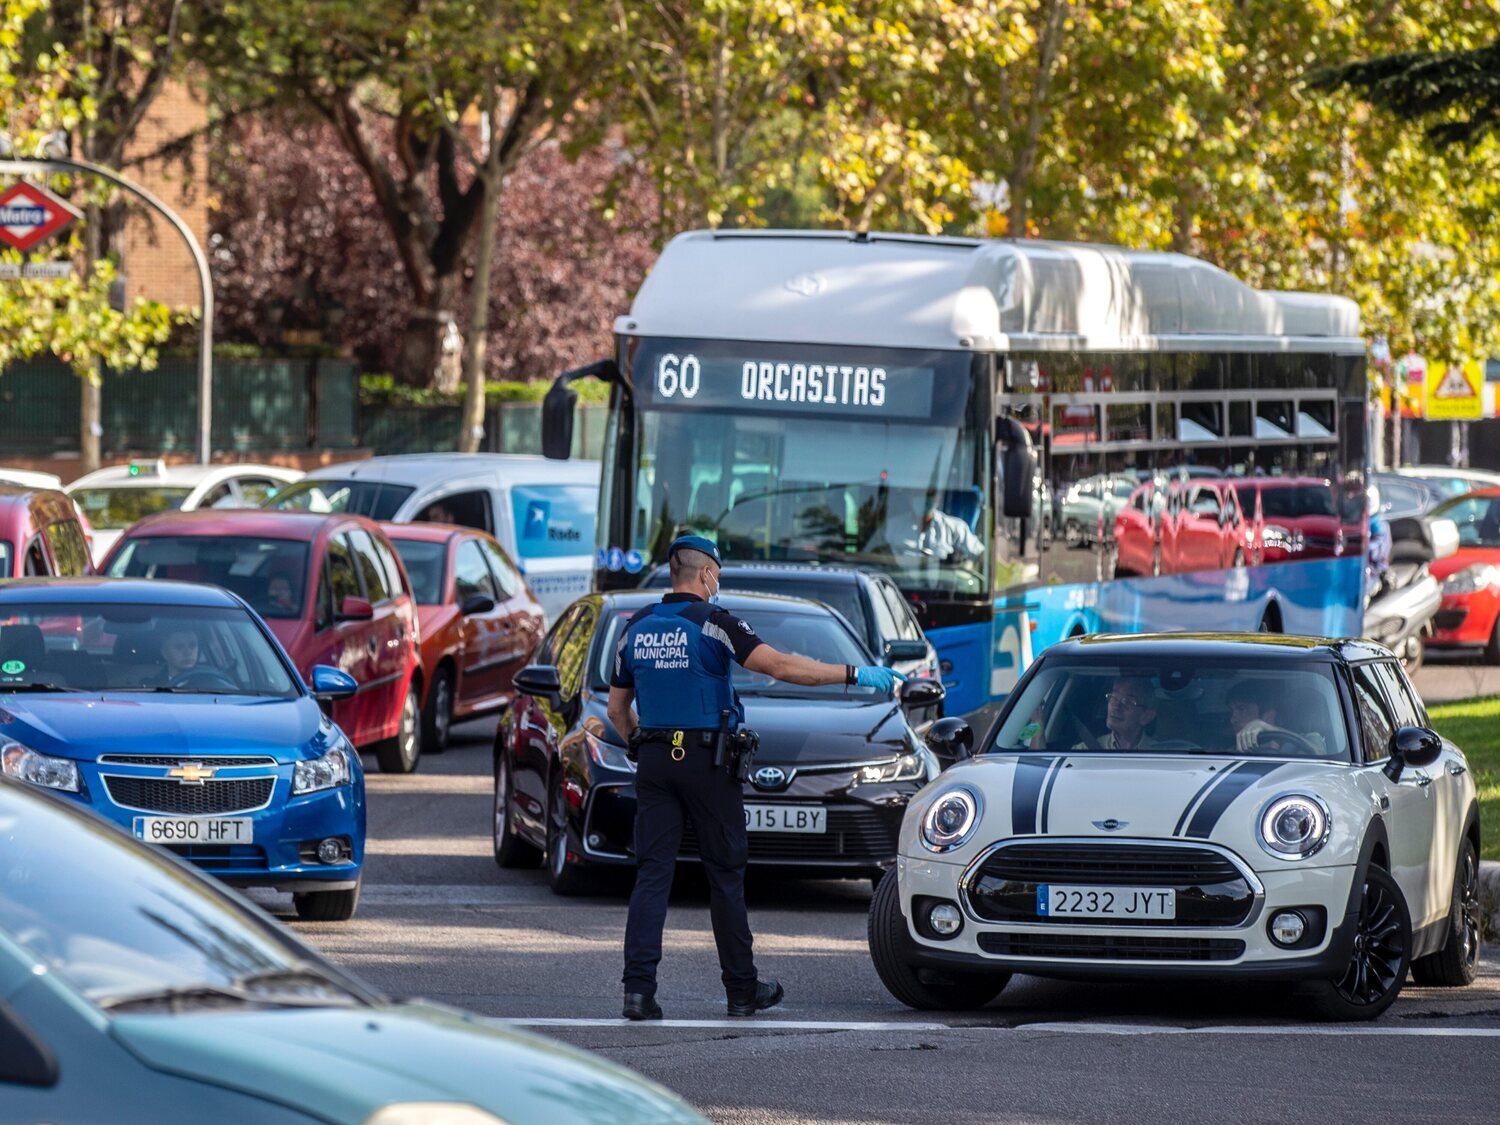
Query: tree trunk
479, 308
89, 404
421, 351
1038, 114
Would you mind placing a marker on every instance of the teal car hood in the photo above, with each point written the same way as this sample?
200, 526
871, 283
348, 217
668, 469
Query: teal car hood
343, 1064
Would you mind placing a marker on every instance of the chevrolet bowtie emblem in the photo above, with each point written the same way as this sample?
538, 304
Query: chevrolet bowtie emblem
190, 773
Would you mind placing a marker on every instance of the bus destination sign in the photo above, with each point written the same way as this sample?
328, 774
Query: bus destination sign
795, 386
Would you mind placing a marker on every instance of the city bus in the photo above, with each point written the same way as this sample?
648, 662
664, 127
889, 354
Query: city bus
1035, 440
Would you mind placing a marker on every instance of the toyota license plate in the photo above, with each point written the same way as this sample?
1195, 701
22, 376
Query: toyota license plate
1056, 901
785, 818
194, 830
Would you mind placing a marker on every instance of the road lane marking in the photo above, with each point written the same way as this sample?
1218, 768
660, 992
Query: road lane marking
772, 1024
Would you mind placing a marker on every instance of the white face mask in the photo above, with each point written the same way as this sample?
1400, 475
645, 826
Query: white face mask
714, 593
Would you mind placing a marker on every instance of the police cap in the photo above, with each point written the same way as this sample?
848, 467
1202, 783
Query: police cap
694, 543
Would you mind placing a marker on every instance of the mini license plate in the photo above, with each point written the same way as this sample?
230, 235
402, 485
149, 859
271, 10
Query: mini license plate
1056, 901
785, 818
194, 830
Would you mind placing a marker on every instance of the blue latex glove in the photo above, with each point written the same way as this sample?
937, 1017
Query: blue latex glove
878, 676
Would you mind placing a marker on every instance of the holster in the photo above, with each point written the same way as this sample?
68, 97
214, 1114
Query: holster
746, 743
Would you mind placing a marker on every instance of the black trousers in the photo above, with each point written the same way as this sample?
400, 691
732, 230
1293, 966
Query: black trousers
666, 793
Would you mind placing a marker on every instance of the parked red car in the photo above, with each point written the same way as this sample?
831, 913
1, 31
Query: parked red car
1295, 518
479, 622
1136, 547
1469, 616
41, 534
1202, 527
329, 586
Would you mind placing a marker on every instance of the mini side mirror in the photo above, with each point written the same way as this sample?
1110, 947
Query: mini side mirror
952, 740
477, 603
539, 680
329, 683
355, 609
897, 652
916, 695
1412, 748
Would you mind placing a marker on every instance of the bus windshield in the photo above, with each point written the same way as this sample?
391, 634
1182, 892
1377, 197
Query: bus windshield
861, 456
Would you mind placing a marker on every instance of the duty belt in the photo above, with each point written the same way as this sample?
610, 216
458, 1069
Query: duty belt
674, 737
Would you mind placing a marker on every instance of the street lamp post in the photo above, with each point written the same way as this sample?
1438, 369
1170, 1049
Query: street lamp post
60, 165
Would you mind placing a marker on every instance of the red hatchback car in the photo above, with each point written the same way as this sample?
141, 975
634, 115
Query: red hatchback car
479, 622
41, 534
1470, 613
328, 585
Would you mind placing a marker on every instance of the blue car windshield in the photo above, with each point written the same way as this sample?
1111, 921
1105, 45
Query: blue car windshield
113, 919
100, 647
1235, 708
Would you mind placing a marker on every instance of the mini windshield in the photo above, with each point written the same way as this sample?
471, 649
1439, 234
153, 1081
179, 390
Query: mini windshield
819, 636
1241, 708
375, 499
270, 574
137, 648
114, 920
114, 509
1478, 519
424, 564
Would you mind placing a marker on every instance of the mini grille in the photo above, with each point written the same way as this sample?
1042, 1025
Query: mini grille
1109, 863
165, 795
177, 760
853, 835
1086, 947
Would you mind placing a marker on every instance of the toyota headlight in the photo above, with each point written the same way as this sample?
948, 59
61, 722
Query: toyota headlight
607, 754
1294, 825
951, 819
326, 772
25, 764
908, 767
1470, 579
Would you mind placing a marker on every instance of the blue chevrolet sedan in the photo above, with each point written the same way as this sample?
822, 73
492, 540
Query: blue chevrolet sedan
170, 709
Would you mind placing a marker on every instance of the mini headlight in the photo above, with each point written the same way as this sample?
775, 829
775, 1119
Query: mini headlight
1480, 576
432, 1113
326, 772
1294, 825
908, 767
25, 764
607, 754
951, 819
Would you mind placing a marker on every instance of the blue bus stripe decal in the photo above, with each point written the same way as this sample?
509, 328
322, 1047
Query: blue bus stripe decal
1204, 788
1025, 791
1047, 792
1246, 775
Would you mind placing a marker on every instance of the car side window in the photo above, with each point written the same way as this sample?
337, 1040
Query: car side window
906, 621
36, 559
466, 509
885, 624
69, 549
342, 579
323, 604
255, 491
1376, 724
370, 566
220, 496
470, 575
546, 652
1403, 708
393, 579
574, 653
505, 574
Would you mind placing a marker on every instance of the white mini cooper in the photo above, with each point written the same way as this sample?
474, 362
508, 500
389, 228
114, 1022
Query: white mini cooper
1191, 806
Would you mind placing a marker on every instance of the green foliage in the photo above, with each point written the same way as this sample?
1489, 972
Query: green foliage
1456, 92
1474, 725
386, 390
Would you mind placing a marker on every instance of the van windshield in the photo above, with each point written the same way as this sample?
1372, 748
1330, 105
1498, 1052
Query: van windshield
375, 499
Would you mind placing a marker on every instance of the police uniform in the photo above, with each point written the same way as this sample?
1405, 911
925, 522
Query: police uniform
675, 656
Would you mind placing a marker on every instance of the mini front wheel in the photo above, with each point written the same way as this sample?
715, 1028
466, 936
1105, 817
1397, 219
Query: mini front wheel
1379, 958
891, 948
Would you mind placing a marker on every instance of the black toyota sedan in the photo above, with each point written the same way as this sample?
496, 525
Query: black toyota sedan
835, 769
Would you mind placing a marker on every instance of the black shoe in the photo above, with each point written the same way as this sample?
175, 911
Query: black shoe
639, 1006
767, 995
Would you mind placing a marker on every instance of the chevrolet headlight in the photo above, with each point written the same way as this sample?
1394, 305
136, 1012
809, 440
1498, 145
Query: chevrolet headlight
326, 772
1470, 579
908, 767
433, 1113
951, 819
1294, 825
607, 754
25, 764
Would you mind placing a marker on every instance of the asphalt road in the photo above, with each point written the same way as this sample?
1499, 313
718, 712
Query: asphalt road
1446, 676
438, 919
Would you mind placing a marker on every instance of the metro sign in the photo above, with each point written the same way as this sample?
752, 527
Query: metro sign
30, 214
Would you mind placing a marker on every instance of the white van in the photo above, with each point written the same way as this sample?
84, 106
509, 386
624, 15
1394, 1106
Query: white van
541, 511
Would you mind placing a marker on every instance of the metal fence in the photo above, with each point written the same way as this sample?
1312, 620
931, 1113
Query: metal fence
509, 427
259, 404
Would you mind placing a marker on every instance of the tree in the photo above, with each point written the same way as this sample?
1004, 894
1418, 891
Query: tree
46, 90
412, 76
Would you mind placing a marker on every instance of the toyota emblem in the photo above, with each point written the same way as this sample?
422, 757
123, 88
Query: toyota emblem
769, 777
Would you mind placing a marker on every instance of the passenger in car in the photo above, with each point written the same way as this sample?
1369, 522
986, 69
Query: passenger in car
1131, 709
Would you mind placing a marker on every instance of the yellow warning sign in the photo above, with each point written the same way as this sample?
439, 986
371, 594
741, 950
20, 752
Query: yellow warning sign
1454, 392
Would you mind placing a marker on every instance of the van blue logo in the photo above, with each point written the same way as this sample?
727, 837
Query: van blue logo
537, 514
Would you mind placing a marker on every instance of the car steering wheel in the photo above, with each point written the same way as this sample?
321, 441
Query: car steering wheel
1267, 737
207, 677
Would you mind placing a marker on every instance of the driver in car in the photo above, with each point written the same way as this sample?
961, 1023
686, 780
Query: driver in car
1252, 714
1131, 709
179, 650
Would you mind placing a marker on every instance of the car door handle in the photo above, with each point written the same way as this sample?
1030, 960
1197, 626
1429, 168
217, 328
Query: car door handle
1457, 769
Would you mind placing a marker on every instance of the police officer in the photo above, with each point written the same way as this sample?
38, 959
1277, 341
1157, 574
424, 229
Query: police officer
674, 663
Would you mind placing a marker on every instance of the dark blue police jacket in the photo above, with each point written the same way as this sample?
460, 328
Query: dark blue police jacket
675, 655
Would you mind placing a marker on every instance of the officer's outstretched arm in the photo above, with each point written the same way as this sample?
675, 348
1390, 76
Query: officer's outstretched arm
619, 711
794, 669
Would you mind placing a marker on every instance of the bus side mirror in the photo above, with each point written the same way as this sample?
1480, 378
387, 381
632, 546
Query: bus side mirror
1017, 468
557, 406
